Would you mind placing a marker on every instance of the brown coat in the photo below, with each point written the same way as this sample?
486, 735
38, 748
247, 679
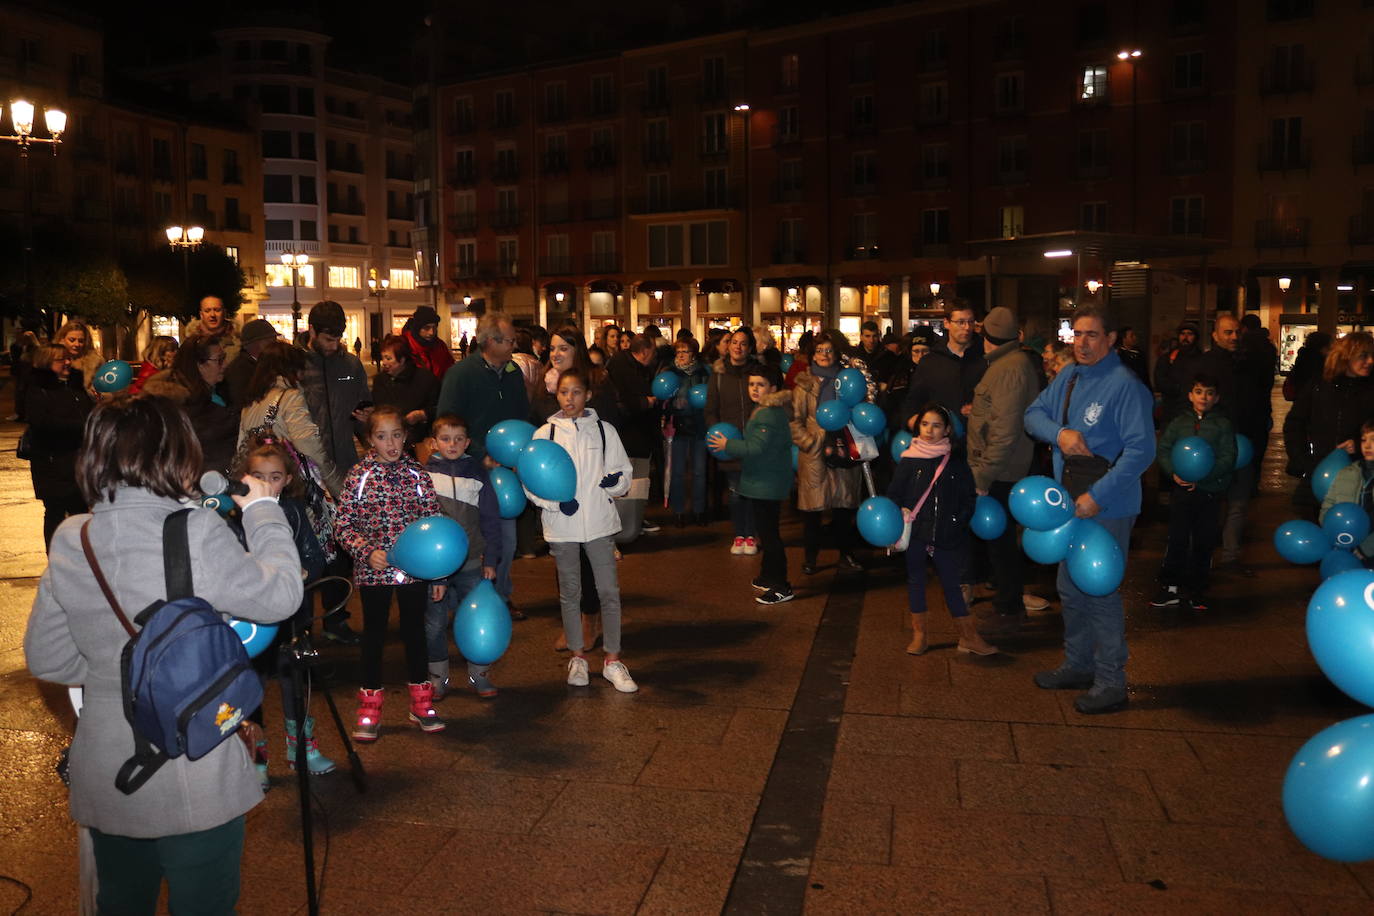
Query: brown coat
818, 486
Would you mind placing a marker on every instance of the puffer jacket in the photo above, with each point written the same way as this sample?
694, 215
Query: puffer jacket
215, 424
818, 485
596, 515
943, 520
1354, 483
1324, 414
379, 499
293, 422
466, 496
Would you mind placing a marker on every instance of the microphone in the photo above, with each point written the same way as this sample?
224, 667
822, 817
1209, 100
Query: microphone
213, 483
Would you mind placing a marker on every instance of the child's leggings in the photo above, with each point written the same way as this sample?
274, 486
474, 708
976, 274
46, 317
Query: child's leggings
376, 601
948, 564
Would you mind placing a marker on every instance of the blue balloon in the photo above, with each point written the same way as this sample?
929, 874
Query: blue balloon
696, 396
1052, 546
1245, 451
430, 548
787, 360
1193, 458
796, 457
1301, 541
220, 502
546, 469
666, 385
482, 627
112, 376
729, 431
851, 386
832, 415
880, 521
1096, 564
1339, 561
510, 496
900, 442
868, 418
1346, 524
256, 636
1328, 795
989, 518
956, 428
1324, 474
1040, 503
507, 439
1340, 631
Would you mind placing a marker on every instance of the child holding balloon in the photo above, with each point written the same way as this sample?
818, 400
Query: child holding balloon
1354, 483
1199, 492
465, 492
383, 493
934, 487
587, 522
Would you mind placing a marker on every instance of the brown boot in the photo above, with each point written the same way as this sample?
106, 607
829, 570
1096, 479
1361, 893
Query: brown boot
919, 642
969, 640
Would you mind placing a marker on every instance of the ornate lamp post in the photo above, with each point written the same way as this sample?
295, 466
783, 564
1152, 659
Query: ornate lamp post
295, 261
21, 117
185, 239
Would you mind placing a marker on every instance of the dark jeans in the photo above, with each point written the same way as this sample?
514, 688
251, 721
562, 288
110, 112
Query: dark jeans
773, 558
201, 868
741, 509
1194, 527
948, 565
56, 511
1004, 555
688, 457
841, 523
376, 600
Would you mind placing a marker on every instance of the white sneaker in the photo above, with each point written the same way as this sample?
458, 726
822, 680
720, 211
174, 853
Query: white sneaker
751, 547
619, 675
577, 672
737, 548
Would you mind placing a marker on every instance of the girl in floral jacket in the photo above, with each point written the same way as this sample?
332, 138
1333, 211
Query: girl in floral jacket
382, 494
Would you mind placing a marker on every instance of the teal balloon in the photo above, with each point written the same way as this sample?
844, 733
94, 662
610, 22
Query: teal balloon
1040, 503
729, 431
112, 376
1339, 561
1245, 451
900, 442
482, 627
507, 439
867, 418
666, 385
510, 495
1049, 547
880, 521
1346, 524
220, 502
832, 415
787, 360
1096, 564
546, 469
851, 386
956, 427
796, 458
696, 396
1324, 474
256, 636
1193, 458
989, 520
1301, 541
1328, 791
430, 548
1340, 632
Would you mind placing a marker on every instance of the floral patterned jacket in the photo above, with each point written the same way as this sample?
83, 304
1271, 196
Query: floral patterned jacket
377, 501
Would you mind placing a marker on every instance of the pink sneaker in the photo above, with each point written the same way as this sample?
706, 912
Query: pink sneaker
751, 547
738, 548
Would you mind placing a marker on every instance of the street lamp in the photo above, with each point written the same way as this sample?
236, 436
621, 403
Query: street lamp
1132, 57
185, 239
1093, 286
743, 110
295, 261
377, 287
21, 116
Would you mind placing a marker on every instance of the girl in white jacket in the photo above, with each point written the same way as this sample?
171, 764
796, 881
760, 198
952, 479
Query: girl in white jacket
587, 522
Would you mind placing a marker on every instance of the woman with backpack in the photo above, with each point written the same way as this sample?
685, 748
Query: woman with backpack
138, 463
275, 400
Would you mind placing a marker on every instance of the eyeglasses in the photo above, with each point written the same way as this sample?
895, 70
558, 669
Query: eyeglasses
962, 322
497, 338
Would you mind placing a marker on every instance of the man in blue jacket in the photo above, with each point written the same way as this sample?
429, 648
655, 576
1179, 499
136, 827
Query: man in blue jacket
1097, 409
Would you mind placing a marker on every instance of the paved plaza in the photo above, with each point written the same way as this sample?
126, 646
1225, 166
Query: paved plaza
937, 784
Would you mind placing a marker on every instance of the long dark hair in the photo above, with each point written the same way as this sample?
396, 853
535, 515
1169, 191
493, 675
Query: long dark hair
137, 441
277, 359
593, 374
186, 364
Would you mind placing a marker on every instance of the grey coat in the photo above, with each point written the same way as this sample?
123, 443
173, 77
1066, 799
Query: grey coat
334, 386
998, 447
74, 637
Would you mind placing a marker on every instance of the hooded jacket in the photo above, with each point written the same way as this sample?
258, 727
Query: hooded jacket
765, 450
379, 499
466, 496
944, 517
998, 447
819, 486
1114, 412
334, 386
596, 515
1216, 428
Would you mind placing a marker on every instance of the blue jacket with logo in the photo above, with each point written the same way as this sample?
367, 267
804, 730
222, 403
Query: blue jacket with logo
1113, 410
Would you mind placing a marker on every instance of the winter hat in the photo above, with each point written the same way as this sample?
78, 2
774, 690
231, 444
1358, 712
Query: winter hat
423, 315
256, 331
1000, 326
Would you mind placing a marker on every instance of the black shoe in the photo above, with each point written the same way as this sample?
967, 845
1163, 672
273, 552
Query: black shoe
1167, 597
649, 528
1100, 700
848, 564
336, 629
1063, 679
776, 596
809, 566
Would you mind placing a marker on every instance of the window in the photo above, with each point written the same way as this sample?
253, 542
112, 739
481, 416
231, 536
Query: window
305, 101
791, 241
556, 152
861, 113
789, 72
162, 204
1011, 221
603, 94
507, 201
1284, 10
665, 245
656, 86
656, 191
603, 252
305, 145
197, 163
717, 193
280, 275
713, 84
1188, 145
656, 147
1094, 153
233, 219
713, 137
1287, 70
1186, 215
404, 278
272, 50
232, 252
307, 190
1012, 159
503, 108
1010, 38
935, 163
555, 101
1009, 96
465, 165
1286, 149
506, 169
791, 178
344, 278
1188, 72
276, 189
558, 249
863, 234
789, 124
861, 62
863, 172
463, 118
275, 99
231, 173
1188, 14
467, 259
507, 255
934, 50
243, 50
309, 230
935, 226
279, 229
1093, 85
934, 103
1092, 216
708, 244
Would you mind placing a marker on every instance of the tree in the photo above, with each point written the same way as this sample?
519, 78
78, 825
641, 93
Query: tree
158, 280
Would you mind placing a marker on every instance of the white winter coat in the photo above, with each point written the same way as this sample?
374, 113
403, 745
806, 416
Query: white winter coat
596, 515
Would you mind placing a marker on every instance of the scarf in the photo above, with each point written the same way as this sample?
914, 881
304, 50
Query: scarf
920, 448
826, 375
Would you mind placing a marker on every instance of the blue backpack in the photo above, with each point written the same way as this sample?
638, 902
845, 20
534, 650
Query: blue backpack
186, 678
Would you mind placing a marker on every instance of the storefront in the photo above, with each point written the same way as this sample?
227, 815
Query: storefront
606, 304
866, 298
659, 302
791, 306
720, 304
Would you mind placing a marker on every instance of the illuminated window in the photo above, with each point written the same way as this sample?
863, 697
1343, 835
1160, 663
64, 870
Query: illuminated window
232, 251
280, 275
1094, 87
344, 278
402, 279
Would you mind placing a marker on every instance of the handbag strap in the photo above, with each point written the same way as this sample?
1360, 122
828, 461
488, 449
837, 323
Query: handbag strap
100, 578
930, 489
176, 556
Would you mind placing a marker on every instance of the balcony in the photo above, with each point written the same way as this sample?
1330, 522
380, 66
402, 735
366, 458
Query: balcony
504, 119
600, 157
864, 250
1362, 149
462, 177
789, 253
788, 192
603, 106
400, 174
658, 153
715, 147
932, 117
932, 180
88, 149
555, 265
1283, 80
604, 208
1189, 164
83, 84
863, 187
350, 207
231, 176
1362, 229
1092, 171
555, 213
400, 213
505, 171
1009, 173
783, 139
863, 127
128, 216
554, 114
240, 222
1281, 233
508, 218
601, 262
464, 270
554, 163
507, 270
712, 94
1288, 157
1195, 226
786, 86
464, 223
353, 164
688, 200
655, 101
204, 218
461, 126
933, 249
162, 171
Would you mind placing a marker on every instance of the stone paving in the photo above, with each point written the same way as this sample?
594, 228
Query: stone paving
956, 785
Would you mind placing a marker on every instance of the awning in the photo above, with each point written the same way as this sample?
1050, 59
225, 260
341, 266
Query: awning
1113, 246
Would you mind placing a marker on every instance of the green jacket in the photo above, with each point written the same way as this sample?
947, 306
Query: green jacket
483, 396
765, 451
1349, 487
1219, 433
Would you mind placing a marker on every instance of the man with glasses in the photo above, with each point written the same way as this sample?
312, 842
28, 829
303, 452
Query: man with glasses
949, 373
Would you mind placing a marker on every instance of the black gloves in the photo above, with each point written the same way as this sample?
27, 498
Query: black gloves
568, 507
610, 480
